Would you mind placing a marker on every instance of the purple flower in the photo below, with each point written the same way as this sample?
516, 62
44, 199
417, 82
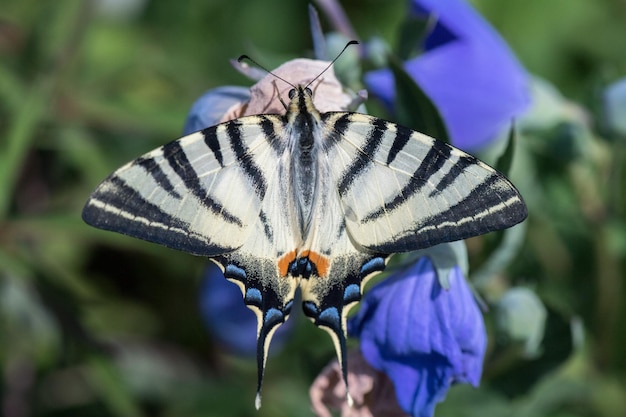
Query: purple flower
229, 321
466, 69
210, 108
422, 336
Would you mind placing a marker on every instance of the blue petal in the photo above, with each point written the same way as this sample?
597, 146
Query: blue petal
212, 105
467, 70
231, 324
422, 336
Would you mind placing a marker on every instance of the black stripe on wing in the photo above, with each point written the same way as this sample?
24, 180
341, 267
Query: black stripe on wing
455, 172
336, 132
270, 131
267, 227
244, 158
177, 159
490, 206
403, 134
434, 160
364, 158
156, 172
114, 206
212, 142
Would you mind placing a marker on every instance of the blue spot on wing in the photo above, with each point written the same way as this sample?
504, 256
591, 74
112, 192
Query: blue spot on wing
351, 293
253, 296
272, 317
235, 272
373, 265
310, 309
330, 317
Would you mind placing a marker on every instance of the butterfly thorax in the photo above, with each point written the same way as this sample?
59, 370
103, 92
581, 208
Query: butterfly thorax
303, 122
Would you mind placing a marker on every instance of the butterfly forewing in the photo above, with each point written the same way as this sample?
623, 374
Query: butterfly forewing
199, 194
402, 191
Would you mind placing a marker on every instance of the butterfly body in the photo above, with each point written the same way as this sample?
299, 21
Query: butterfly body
309, 200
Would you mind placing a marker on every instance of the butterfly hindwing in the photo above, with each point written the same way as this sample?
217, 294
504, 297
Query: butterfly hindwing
261, 267
327, 299
401, 190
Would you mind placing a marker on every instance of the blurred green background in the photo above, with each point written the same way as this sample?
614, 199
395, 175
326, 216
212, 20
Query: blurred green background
97, 324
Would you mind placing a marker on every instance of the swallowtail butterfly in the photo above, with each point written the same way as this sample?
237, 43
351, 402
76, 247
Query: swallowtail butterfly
309, 200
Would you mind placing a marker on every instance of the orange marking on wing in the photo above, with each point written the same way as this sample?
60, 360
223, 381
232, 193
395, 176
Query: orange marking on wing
320, 261
284, 261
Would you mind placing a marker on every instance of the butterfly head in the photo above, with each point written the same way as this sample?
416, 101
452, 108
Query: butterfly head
301, 103
299, 90
300, 96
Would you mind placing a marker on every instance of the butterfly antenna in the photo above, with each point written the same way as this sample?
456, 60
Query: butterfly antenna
247, 58
353, 42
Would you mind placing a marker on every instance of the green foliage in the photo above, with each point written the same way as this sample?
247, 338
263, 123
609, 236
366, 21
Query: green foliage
413, 107
97, 324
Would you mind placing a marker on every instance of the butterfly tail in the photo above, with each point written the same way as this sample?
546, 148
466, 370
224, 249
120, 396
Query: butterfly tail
328, 306
333, 320
270, 302
269, 319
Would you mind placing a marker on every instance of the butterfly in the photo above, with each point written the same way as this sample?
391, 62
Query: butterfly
305, 200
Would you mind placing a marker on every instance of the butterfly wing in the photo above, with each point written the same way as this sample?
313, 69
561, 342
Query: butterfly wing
199, 194
401, 190
392, 190
215, 193
261, 266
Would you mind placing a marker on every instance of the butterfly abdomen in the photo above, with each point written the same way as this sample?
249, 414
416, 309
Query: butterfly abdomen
303, 126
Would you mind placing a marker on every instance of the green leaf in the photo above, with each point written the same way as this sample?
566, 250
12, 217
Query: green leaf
414, 109
506, 159
412, 34
507, 245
